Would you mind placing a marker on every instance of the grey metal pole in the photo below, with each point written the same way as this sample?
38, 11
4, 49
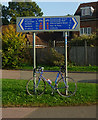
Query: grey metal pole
66, 73
34, 50
34, 58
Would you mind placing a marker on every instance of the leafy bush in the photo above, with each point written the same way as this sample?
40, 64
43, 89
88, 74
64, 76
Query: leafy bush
52, 57
47, 56
57, 58
80, 40
13, 47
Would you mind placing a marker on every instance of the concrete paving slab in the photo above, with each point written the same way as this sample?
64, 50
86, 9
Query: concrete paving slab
11, 74
26, 75
16, 112
64, 112
51, 112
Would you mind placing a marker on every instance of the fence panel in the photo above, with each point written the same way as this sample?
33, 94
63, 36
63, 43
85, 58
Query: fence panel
77, 55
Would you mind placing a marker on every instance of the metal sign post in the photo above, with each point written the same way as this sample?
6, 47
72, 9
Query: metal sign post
34, 58
66, 73
34, 50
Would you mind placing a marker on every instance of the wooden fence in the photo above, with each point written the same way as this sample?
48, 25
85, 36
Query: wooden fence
80, 55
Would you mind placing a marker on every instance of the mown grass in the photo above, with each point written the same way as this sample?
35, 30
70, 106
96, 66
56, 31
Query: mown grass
71, 68
14, 94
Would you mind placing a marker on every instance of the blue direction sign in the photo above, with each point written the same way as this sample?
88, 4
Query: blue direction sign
62, 23
58, 23
31, 24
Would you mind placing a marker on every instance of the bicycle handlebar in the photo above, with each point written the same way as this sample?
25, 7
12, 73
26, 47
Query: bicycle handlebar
41, 69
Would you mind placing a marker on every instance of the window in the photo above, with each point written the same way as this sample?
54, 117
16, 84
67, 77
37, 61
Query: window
86, 30
89, 30
81, 31
85, 11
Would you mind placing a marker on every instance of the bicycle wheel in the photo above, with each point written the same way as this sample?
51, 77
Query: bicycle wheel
37, 88
66, 89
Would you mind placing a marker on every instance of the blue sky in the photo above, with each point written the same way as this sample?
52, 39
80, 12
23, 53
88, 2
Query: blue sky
58, 8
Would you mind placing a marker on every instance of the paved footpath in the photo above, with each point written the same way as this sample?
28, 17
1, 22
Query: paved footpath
50, 112
19, 74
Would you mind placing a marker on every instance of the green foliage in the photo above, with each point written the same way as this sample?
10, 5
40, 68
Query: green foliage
14, 94
5, 15
0, 10
46, 56
13, 48
19, 9
80, 40
58, 59
71, 67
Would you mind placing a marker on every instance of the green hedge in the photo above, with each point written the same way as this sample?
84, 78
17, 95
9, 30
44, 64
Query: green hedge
80, 40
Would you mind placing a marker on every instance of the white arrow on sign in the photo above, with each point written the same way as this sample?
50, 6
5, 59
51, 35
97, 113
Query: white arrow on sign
21, 24
74, 22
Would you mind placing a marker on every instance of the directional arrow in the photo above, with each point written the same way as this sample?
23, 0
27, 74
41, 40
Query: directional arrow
20, 24
75, 23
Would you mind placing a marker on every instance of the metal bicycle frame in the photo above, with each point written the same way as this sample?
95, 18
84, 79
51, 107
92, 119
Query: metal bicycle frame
53, 87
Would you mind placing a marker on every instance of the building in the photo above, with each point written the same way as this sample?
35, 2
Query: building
88, 13
38, 41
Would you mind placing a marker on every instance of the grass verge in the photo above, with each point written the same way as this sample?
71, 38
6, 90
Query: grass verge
71, 68
14, 95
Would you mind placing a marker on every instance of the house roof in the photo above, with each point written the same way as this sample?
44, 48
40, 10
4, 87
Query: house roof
39, 42
90, 4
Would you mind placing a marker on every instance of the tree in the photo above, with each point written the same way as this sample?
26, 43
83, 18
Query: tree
13, 47
0, 10
5, 15
20, 9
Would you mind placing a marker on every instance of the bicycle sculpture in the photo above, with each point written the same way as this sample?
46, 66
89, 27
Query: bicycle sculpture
65, 86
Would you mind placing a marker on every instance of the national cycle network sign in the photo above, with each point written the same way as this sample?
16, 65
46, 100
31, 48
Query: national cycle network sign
54, 23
